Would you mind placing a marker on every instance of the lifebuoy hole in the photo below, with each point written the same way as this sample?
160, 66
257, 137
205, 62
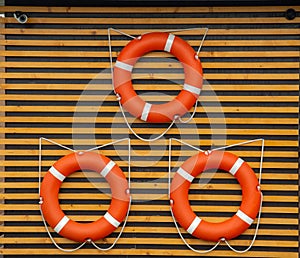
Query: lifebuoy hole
215, 195
156, 71
84, 196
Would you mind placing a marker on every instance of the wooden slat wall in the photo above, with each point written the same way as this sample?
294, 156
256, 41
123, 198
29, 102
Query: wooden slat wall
251, 61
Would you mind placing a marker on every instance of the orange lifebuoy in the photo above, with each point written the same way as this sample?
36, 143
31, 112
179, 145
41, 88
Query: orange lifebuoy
157, 113
53, 213
230, 228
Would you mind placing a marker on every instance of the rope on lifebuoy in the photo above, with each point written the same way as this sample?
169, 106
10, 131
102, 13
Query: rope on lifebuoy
195, 91
122, 77
244, 217
59, 176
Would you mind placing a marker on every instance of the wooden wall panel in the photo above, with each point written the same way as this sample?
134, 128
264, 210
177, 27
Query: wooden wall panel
251, 62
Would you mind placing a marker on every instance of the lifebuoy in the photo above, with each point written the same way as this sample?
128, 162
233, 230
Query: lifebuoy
157, 113
68, 228
230, 228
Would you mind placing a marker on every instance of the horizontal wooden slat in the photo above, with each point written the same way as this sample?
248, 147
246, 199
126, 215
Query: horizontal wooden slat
155, 175
103, 32
99, 196
163, 142
102, 43
271, 243
154, 87
164, 252
267, 154
113, 109
140, 218
208, 76
246, 65
108, 21
23, 119
150, 185
95, 54
147, 10
257, 132
157, 230
100, 97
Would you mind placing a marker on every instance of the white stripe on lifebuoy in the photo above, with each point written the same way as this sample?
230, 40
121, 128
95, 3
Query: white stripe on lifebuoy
244, 217
191, 89
124, 66
57, 174
146, 111
111, 220
185, 175
236, 166
194, 225
107, 168
169, 43
61, 224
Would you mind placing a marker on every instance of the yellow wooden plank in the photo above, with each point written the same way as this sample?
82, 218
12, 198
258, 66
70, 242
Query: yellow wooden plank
156, 241
155, 175
141, 218
154, 87
163, 65
161, 152
215, 9
53, 120
232, 31
162, 230
208, 76
148, 252
102, 43
22, 53
226, 109
150, 185
160, 175
195, 142
217, 54
99, 196
254, 132
100, 97
160, 20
